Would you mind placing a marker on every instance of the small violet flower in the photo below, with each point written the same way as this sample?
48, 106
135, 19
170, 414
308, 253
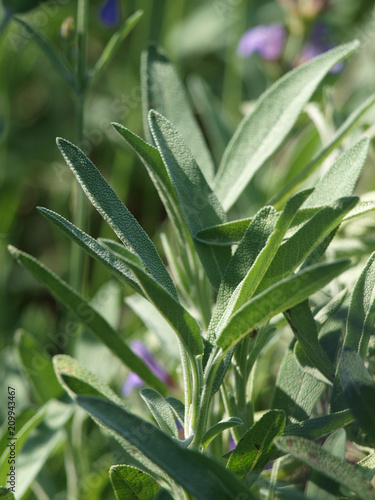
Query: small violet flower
109, 13
319, 42
266, 40
133, 381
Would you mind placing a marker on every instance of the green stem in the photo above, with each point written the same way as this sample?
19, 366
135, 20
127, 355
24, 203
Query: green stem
79, 201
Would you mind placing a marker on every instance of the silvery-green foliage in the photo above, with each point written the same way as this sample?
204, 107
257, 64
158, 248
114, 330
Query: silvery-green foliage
228, 289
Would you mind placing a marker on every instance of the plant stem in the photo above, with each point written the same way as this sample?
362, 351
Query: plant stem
79, 201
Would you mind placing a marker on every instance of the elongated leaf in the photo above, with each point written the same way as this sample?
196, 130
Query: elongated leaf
304, 328
198, 202
153, 162
218, 428
263, 131
341, 178
367, 466
163, 495
163, 91
132, 484
254, 240
115, 41
85, 313
38, 367
185, 326
111, 208
319, 158
255, 449
93, 248
160, 410
77, 380
203, 477
230, 233
41, 443
297, 392
178, 408
320, 460
152, 318
318, 427
297, 248
318, 485
358, 389
278, 298
358, 324
265, 256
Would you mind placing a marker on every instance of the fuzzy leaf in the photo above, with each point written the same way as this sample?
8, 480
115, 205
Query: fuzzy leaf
163, 91
341, 178
297, 248
261, 133
178, 408
255, 449
278, 298
319, 158
201, 476
5, 494
111, 208
86, 314
93, 248
198, 202
320, 460
160, 410
218, 428
358, 389
296, 391
132, 484
316, 428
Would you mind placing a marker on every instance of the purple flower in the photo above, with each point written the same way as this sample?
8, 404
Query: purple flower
320, 42
109, 13
266, 40
133, 381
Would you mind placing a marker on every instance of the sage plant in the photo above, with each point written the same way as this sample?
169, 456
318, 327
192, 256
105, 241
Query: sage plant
225, 291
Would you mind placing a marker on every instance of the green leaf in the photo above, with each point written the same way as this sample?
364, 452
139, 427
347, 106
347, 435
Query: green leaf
198, 202
77, 380
297, 392
278, 298
255, 449
86, 314
254, 240
111, 208
304, 328
299, 246
132, 484
115, 42
358, 324
367, 466
341, 178
320, 460
319, 486
261, 133
316, 428
37, 366
154, 164
93, 248
185, 326
231, 233
163, 495
178, 408
5, 494
160, 410
201, 476
358, 389
163, 91
218, 428
319, 158
40, 443
152, 318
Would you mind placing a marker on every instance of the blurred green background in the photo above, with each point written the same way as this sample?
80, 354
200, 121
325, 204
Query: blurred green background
201, 38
